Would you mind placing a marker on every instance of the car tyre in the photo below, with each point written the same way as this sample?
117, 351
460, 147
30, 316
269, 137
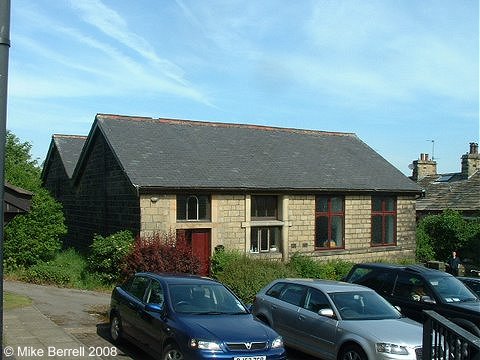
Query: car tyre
116, 332
353, 352
172, 352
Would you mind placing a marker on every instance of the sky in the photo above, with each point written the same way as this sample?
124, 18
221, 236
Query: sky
402, 75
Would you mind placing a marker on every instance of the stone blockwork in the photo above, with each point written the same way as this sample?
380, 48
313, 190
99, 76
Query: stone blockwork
230, 226
357, 230
158, 214
230, 213
301, 221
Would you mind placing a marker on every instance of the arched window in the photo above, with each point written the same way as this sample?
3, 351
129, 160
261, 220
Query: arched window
193, 207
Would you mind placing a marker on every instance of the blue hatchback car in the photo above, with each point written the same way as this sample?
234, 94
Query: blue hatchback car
189, 317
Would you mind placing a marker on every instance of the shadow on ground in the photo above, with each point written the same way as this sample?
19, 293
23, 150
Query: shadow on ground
125, 348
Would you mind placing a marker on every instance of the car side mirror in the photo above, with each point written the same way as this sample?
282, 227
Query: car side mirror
326, 312
427, 300
157, 308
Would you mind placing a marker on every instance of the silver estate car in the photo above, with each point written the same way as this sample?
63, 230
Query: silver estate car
337, 320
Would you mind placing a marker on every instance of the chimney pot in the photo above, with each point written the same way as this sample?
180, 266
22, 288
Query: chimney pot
426, 157
473, 148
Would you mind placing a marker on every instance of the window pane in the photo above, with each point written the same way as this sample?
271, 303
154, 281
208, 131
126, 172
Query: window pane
254, 240
389, 204
377, 229
321, 231
264, 206
337, 230
139, 285
389, 229
316, 301
337, 204
293, 294
264, 239
192, 203
274, 238
203, 207
275, 290
322, 204
181, 207
377, 204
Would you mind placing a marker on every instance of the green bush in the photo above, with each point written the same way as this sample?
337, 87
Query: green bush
107, 254
47, 273
35, 236
307, 267
439, 235
222, 258
68, 268
246, 276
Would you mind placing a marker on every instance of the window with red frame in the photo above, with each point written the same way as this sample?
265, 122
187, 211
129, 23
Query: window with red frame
384, 220
329, 221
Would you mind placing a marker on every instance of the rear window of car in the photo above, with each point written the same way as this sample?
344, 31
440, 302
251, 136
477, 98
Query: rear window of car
275, 290
381, 280
293, 294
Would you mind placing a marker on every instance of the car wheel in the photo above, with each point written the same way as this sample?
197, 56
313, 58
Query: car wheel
353, 352
172, 352
116, 328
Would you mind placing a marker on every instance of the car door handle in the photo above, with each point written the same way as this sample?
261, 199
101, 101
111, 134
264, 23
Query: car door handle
274, 307
301, 317
131, 305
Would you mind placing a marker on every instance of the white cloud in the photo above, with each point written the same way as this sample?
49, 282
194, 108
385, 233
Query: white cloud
78, 63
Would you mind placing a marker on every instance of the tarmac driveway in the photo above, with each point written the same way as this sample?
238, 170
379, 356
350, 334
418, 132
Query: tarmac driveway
82, 314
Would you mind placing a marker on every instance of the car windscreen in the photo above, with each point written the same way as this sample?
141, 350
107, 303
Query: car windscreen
204, 299
452, 290
363, 305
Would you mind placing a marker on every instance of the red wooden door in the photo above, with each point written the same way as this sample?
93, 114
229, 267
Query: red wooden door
201, 248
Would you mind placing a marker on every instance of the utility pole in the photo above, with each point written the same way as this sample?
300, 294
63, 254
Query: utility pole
4, 50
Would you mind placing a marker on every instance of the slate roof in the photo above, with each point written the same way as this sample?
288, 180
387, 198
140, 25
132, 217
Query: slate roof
450, 191
69, 147
183, 154
16, 200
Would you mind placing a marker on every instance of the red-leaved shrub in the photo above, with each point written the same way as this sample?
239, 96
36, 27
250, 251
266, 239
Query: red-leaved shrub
167, 253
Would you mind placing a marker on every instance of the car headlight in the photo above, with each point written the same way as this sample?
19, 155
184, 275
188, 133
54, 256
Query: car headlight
277, 343
391, 349
204, 345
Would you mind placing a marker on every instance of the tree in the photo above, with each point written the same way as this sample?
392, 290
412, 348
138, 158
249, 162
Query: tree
20, 169
35, 236
439, 235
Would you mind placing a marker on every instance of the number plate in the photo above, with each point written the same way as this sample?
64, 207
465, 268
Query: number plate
250, 358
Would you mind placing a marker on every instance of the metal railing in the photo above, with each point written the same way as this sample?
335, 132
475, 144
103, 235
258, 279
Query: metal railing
444, 340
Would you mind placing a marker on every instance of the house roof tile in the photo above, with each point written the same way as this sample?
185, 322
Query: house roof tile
176, 154
69, 147
450, 191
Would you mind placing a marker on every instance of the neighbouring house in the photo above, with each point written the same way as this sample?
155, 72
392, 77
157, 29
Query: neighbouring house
458, 191
266, 191
16, 201
62, 157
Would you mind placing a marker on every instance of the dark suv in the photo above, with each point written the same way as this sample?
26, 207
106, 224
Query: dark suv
416, 288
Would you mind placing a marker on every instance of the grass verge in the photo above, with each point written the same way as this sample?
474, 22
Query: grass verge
13, 301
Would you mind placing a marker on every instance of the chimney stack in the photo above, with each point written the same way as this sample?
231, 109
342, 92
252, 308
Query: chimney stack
471, 161
423, 167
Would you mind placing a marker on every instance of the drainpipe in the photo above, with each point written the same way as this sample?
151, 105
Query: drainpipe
4, 49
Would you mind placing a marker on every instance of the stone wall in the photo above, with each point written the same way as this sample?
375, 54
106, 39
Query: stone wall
230, 225
301, 221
